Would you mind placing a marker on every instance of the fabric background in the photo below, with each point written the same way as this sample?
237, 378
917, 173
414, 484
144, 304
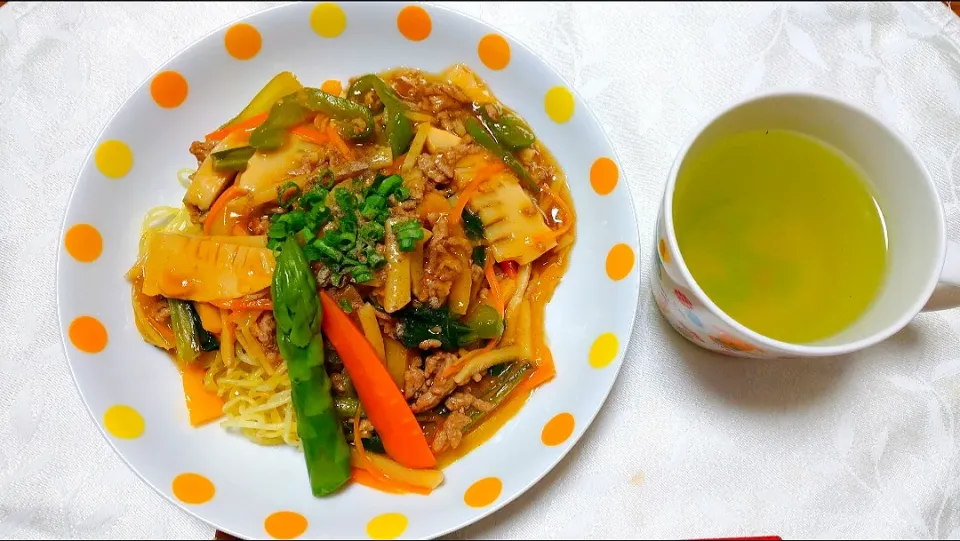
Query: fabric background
690, 444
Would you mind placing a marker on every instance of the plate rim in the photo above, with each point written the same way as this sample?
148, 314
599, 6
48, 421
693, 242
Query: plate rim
480, 513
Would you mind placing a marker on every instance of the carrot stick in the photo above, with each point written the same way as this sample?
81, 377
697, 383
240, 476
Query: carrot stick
494, 285
251, 122
312, 135
338, 142
385, 406
483, 174
244, 304
220, 205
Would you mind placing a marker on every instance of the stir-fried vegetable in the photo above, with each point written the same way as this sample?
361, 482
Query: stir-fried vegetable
298, 315
472, 225
360, 92
507, 381
354, 121
485, 322
485, 139
419, 323
508, 129
285, 114
382, 400
191, 338
232, 159
485, 360
284, 84
479, 256
397, 126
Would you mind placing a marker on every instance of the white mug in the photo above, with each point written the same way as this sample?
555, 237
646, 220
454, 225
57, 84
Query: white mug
923, 268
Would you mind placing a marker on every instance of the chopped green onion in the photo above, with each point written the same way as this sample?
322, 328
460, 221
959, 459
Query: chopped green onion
294, 220
376, 260
326, 179
345, 306
373, 205
406, 245
361, 274
328, 252
372, 232
278, 230
346, 241
402, 193
287, 201
388, 185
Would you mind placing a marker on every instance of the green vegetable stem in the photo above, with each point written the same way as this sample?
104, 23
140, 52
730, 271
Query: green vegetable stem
354, 121
509, 130
487, 140
298, 315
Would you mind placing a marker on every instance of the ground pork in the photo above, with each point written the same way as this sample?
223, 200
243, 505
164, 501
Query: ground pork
265, 331
438, 390
444, 257
414, 380
201, 149
438, 362
461, 401
450, 434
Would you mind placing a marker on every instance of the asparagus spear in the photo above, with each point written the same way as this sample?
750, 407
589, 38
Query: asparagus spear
296, 308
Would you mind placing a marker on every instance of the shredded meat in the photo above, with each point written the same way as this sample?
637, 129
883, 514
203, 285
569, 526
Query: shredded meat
387, 324
440, 168
438, 362
438, 390
201, 149
452, 121
265, 332
450, 434
444, 257
413, 382
430, 344
259, 226
323, 275
365, 428
161, 311
462, 401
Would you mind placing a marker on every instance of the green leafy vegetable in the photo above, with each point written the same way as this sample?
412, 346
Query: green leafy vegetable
479, 256
184, 330
419, 323
206, 339
298, 314
472, 225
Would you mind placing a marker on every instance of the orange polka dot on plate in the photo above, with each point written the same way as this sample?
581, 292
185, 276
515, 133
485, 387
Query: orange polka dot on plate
664, 251
604, 175
193, 488
414, 23
557, 430
285, 525
559, 104
83, 242
124, 422
603, 350
494, 51
169, 89
483, 492
332, 86
87, 334
242, 41
619, 262
113, 158
328, 20
387, 526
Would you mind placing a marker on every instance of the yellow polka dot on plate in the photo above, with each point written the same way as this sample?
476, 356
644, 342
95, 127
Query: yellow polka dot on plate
113, 158
559, 104
242, 41
414, 23
328, 20
285, 525
387, 526
193, 488
494, 51
557, 430
604, 175
603, 350
83, 242
87, 334
483, 492
619, 262
169, 89
123, 422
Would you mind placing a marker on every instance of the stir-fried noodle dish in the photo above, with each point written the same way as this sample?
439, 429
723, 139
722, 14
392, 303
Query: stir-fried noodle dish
361, 273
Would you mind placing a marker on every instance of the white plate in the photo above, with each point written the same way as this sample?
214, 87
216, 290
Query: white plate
588, 322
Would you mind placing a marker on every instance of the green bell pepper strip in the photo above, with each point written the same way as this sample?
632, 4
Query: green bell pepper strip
360, 88
232, 159
509, 130
485, 139
285, 114
298, 314
343, 111
398, 127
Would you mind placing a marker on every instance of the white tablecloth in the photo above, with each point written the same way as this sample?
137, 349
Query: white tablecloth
689, 444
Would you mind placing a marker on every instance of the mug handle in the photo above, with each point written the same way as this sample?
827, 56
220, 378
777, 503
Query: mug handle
947, 293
